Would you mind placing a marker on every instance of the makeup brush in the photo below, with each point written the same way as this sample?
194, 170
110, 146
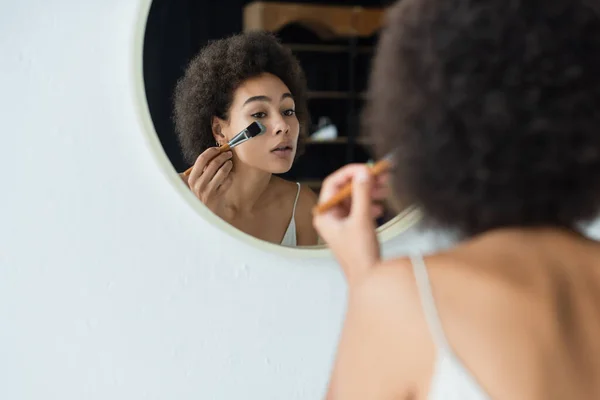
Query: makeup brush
380, 167
254, 129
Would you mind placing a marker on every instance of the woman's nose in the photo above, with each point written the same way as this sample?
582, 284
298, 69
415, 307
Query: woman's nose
280, 125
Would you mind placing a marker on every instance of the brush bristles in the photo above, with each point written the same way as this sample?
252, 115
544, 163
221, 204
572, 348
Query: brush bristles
255, 129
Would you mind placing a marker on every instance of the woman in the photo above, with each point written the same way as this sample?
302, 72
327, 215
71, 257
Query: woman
230, 84
492, 106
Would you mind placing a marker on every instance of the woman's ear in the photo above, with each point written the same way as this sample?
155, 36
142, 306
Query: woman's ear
217, 130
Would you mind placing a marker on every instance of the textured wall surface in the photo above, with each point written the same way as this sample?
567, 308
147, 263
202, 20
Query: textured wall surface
111, 285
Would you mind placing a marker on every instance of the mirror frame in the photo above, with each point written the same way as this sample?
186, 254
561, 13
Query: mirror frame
402, 222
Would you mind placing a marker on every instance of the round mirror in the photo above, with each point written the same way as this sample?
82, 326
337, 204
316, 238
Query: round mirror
250, 106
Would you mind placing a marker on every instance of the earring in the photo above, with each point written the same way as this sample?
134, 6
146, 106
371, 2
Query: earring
218, 144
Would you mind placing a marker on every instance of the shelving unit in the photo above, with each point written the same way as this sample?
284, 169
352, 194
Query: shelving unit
327, 21
334, 45
327, 48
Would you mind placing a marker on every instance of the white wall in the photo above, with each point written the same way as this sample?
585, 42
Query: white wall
111, 286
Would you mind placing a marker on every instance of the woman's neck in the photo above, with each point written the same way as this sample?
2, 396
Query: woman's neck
246, 191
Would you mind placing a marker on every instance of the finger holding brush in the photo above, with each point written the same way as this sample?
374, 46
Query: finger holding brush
212, 152
347, 224
253, 130
207, 178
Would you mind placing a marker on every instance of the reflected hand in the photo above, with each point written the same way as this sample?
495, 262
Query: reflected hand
208, 178
349, 228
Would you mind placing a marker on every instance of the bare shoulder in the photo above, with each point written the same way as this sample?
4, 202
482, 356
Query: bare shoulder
386, 325
307, 234
283, 189
286, 191
469, 292
492, 299
384, 349
390, 281
307, 199
282, 192
458, 284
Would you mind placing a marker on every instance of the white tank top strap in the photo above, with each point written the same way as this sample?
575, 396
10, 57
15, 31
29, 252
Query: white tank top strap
289, 237
450, 379
428, 302
296, 201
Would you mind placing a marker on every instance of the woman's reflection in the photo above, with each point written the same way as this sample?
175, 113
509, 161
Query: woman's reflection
230, 84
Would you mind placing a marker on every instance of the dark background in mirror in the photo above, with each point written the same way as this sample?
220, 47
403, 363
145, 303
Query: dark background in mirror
336, 70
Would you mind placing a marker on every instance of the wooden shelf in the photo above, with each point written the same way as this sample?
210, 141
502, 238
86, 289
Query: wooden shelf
327, 21
313, 94
327, 48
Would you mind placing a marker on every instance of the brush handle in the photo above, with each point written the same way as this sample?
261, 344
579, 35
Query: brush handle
346, 191
222, 149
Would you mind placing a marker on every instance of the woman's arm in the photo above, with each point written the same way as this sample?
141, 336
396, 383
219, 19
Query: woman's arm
385, 350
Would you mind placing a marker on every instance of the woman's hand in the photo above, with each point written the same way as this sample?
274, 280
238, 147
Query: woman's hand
208, 178
349, 228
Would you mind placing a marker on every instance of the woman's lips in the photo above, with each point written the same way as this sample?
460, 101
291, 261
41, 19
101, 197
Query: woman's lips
283, 151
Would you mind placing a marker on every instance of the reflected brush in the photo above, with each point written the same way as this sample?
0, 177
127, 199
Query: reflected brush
253, 130
379, 168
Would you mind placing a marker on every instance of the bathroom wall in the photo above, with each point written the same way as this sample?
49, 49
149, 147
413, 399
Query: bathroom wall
111, 285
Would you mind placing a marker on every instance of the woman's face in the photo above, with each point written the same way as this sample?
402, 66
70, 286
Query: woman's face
266, 99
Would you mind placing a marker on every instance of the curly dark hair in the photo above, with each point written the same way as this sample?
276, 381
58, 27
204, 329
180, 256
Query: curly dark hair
492, 106
206, 90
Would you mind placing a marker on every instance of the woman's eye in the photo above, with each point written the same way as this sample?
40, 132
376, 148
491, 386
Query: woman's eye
289, 113
259, 115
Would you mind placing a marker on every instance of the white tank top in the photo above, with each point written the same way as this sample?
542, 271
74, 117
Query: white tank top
289, 238
450, 379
